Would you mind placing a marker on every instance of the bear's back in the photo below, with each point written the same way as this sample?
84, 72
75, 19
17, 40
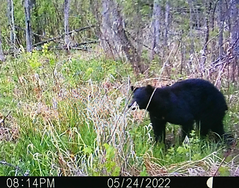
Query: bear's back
200, 91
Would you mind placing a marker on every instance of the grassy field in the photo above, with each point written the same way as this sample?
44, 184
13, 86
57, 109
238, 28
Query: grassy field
67, 115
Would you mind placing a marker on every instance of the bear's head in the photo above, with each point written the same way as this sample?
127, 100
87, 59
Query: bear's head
141, 95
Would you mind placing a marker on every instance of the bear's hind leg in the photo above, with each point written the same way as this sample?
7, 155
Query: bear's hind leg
217, 127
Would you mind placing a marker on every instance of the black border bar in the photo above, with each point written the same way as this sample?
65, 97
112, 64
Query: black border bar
117, 182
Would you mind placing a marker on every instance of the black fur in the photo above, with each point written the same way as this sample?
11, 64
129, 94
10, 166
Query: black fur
185, 102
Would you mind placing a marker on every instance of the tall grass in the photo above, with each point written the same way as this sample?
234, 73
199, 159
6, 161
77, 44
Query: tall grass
68, 116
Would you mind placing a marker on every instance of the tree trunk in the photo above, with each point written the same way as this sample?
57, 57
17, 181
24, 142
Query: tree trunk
221, 29
235, 34
191, 35
235, 24
2, 58
106, 38
167, 10
156, 28
204, 50
66, 23
10, 12
138, 30
212, 14
113, 37
28, 26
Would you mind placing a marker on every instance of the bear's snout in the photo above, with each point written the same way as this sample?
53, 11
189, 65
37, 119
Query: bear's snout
132, 104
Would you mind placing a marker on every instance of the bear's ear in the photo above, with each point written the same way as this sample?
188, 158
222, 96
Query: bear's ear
149, 88
133, 88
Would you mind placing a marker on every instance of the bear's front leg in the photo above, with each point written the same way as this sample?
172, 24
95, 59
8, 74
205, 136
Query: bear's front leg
159, 128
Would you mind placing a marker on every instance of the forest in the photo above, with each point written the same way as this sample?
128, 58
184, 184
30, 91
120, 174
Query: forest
66, 71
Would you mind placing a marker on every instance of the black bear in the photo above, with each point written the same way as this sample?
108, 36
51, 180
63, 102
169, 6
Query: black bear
183, 103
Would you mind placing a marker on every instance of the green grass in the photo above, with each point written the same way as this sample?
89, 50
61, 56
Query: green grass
68, 117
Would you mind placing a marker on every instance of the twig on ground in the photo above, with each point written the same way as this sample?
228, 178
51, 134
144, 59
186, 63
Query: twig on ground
16, 167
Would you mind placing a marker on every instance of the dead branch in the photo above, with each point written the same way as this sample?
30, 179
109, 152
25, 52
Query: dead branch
61, 36
18, 169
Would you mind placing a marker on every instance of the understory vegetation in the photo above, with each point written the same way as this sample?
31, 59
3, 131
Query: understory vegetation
67, 115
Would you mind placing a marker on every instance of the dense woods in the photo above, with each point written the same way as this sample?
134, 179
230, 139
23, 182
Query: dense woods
66, 71
137, 31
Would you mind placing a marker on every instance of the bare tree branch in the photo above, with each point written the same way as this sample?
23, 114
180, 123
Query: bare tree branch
61, 36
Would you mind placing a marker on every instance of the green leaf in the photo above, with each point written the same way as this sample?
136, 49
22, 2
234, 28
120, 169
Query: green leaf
87, 150
181, 150
224, 171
